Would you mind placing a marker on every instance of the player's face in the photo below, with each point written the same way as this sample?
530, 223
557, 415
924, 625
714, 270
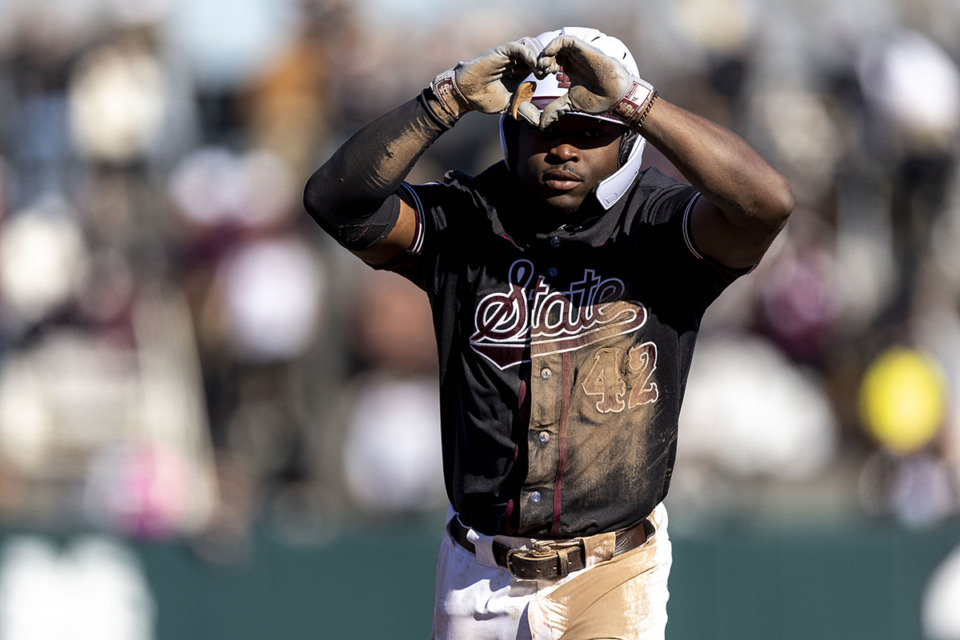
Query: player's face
561, 165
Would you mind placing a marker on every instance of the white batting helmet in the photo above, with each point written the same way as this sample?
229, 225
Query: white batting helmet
548, 89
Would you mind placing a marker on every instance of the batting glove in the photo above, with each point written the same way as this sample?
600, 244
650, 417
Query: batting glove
486, 83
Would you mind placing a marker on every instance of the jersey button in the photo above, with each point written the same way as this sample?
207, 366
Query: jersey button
552, 272
545, 373
544, 437
535, 496
554, 242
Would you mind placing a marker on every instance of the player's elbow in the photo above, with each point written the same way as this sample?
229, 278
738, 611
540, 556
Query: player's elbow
313, 194
782, 201
773, 205
323, 202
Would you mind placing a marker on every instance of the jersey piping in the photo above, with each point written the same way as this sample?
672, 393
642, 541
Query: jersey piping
686, 228
418, 232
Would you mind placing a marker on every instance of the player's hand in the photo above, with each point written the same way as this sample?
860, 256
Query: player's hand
487, 83
599, 83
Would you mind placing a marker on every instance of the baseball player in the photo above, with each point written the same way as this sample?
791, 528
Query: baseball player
567, 288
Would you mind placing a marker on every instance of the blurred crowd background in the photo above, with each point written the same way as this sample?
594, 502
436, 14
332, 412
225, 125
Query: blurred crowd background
184, 354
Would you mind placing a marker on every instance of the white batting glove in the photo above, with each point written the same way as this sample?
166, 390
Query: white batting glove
600, 84
487, 83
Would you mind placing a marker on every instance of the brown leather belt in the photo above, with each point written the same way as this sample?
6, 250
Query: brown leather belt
557, 558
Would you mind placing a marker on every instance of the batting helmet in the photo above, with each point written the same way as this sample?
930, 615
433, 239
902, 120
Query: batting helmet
548, 89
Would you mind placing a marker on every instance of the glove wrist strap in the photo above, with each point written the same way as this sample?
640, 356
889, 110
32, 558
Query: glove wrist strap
451, 100
635, 103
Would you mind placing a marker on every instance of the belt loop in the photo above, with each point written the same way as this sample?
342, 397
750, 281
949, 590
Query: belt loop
563, 561
483, 547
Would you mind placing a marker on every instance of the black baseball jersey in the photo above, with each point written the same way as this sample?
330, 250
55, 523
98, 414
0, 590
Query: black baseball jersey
563, 355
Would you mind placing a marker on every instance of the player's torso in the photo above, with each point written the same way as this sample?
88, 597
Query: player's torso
578, 346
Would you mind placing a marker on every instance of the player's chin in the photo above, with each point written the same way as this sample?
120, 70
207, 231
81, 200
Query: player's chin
562, 202
562, 205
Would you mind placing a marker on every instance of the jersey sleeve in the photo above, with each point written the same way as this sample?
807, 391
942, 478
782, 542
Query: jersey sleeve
443, 211
660, 233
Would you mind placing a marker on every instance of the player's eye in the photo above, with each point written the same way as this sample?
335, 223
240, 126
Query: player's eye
592, 134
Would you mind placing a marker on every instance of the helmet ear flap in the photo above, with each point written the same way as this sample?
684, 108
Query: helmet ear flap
509, 132
626, 146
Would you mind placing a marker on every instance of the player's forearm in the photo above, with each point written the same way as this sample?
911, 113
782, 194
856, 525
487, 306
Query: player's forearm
345, 195
722, 166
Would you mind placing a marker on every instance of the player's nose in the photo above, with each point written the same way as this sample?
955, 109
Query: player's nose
564, 151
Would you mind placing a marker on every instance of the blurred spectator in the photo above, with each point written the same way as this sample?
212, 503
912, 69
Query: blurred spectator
916, 139
288, 106
43, 259
798, 302
221, 44
117, 101
903, 404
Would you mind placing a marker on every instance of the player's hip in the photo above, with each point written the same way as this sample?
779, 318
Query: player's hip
614, 594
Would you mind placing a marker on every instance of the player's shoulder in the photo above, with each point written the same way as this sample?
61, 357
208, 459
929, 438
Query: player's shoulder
485, 184
486, 192
656, 200
488, 183
461, 202
657, 193
653, 178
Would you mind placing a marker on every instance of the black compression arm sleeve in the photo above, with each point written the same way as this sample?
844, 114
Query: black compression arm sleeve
350, 195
